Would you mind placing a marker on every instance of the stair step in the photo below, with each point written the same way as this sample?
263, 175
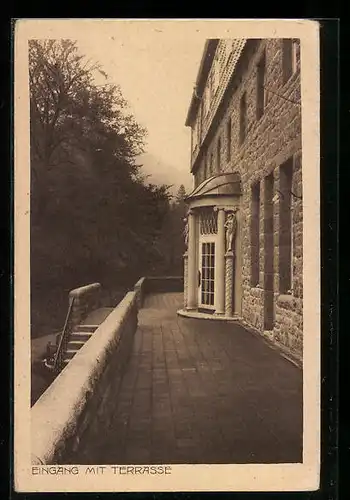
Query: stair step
79, 336
86, 328
70, 353
75, 344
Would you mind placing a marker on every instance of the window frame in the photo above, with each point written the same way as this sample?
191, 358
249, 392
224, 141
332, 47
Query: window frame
286, 173
255, 227
229, 138
243, 118
218, 156
260, 86
289, 59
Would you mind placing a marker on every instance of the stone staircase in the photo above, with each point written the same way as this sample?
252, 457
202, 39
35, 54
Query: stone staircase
77, 339
84, 316
82, 332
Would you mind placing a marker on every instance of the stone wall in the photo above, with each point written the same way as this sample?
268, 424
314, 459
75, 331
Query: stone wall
82, 399
270, 141
140, 290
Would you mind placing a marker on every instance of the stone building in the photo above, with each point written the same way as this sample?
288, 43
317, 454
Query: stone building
245, 222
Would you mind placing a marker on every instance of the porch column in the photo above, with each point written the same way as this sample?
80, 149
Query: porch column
191, 265
229, 283
185, 278
220, 264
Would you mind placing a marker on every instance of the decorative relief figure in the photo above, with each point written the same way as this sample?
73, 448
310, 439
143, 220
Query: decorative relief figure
231, 227
185, 232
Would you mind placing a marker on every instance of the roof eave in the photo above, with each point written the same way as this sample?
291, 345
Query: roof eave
201, 75
207, 189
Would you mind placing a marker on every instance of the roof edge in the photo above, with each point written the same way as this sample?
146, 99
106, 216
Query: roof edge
206, 186
203, 71
247, 46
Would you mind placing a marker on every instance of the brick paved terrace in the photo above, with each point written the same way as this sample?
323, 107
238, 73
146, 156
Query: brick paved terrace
200, 391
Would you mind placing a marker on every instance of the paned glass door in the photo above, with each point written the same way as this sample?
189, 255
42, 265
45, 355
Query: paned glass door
207, 274
208, 228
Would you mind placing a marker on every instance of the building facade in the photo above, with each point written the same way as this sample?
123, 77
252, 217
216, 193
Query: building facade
245, 222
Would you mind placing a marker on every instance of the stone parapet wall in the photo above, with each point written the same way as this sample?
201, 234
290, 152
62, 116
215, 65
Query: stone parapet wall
140, 290
82, 399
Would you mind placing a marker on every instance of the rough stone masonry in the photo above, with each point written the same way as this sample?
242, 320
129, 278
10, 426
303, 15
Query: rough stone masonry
256, 131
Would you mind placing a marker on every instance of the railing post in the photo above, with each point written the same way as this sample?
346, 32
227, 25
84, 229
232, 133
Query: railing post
192, 269
62, 343
220, 264
229, 283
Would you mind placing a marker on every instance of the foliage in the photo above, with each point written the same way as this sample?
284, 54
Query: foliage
172, 241
93, 217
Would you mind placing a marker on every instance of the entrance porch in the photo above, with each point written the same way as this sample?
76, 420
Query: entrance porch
213, 260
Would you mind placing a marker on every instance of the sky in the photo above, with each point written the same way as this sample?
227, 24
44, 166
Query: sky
156, 73
156, 62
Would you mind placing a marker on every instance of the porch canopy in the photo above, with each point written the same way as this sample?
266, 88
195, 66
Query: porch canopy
221, 185
210, 275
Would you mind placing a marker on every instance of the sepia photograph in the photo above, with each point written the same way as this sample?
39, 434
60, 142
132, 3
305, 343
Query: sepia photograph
167, 255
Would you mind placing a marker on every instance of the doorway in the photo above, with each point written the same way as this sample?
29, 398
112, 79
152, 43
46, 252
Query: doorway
207, 259
206, 282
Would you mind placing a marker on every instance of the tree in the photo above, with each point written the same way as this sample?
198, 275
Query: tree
172, 242
92, 215
72, 118
181, 194
180, 202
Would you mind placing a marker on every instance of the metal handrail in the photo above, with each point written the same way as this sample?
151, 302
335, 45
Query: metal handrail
63, 335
